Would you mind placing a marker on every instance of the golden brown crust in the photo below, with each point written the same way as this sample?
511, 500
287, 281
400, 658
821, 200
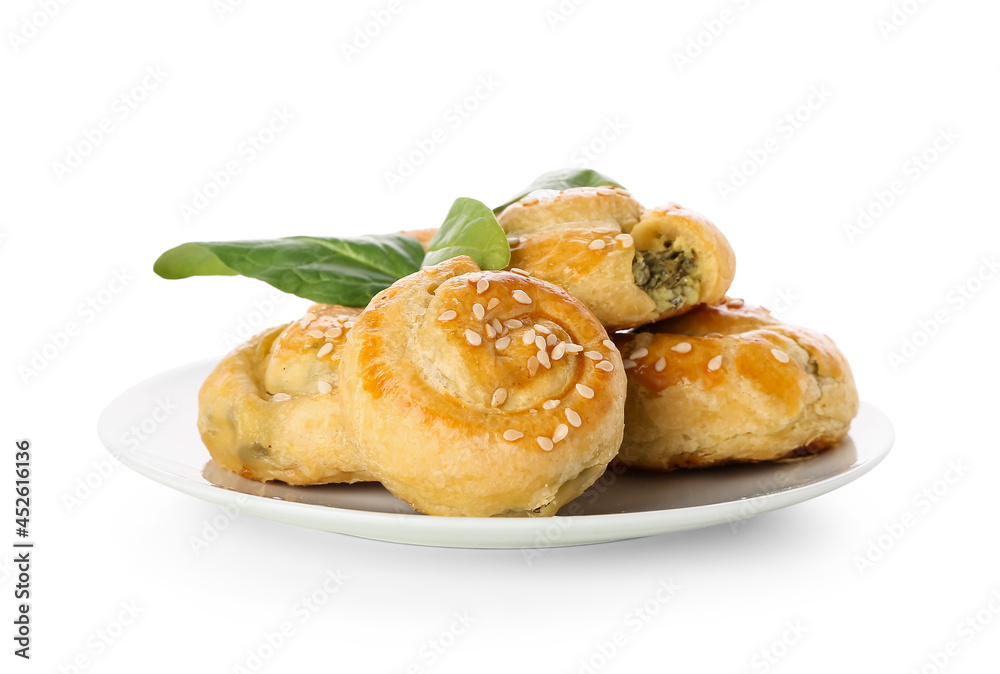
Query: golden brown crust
585, 239
262, 413
601, 279
578, 206
730, 383
444, 379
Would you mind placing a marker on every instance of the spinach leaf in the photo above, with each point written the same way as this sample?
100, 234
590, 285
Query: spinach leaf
562, 179
352, 271
333, 271
470, 229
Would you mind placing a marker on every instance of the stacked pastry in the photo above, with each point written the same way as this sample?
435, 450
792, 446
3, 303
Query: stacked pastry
711, 380
479, 393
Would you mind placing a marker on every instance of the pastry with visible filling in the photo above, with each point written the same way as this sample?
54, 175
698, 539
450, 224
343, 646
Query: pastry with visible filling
730, 383
629, 265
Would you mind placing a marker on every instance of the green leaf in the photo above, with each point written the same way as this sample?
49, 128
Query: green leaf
352, 271
332, 271
562, 179
190, 259
470, 229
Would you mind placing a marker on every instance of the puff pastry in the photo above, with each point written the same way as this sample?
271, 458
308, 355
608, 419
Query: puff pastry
730, 383
629, 265
271, 409
482, 393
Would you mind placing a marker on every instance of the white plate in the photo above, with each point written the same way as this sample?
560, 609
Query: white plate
151, 429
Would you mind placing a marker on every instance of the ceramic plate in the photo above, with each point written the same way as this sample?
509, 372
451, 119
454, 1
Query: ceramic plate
151, 429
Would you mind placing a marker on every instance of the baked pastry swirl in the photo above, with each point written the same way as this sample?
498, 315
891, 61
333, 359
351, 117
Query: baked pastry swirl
631, 266
730, 383
270, 410
481, 393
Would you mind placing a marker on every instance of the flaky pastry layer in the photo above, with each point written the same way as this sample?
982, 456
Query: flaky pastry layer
730, 383
631, 266
482, 393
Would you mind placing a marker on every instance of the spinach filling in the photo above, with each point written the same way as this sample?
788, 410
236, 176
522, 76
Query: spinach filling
667, 276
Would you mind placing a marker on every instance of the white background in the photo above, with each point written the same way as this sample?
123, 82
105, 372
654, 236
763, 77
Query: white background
684, 128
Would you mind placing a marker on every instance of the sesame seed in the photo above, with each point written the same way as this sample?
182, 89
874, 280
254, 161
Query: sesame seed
543, 358
516, 270
573, 418
428, 270
521, 297
449, 315
605, 365
551, 340
492, 304
639, 353
333, 333
490, 331
606, 230
715, 364
502, 343
512, 323
473, 338
281, 397
779, 355
542, 330
529, 201
324, 387
735, 304
309, 316
499, 396
532, 366
482, 285
605, 191
550, 404
562, 430
349, 324
325, 349
545, 443
661, 363
540, 343
478, 311
627, 364
609, 344
594, 355
683, 347
597, 244
315, 334
528, 337
474, 277
674, 205
622, 191
559, 350
497, 326
585, 391
512, 435
511, 240
625, 239
573, 348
